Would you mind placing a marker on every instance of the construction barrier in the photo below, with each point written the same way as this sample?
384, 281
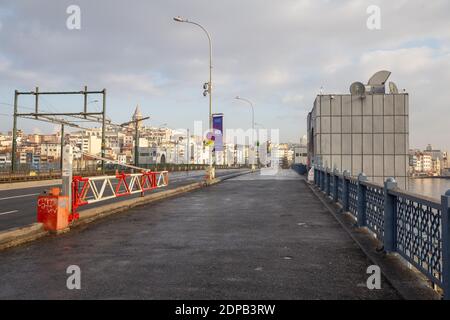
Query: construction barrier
95, 189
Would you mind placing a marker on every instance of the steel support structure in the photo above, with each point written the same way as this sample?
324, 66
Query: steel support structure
52, 117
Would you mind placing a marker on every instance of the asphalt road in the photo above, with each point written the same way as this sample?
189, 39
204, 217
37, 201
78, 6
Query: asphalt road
250, 237
18, 206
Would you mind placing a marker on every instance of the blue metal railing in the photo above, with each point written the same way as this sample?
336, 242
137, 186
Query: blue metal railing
414, 226
375, 209
300, 168
353, 197
340, 190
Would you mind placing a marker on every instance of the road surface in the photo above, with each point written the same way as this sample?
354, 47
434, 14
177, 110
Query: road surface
18, 206
250, 237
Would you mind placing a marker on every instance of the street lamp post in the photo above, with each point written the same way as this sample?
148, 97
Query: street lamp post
253, 125
208, 90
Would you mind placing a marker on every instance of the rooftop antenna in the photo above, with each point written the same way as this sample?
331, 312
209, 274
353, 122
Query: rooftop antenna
358, 89
321, 90
376, 83
393, 89
379, 78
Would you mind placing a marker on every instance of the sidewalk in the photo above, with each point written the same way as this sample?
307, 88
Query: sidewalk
29, 184
251, 237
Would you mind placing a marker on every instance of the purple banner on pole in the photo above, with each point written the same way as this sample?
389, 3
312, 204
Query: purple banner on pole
218, 131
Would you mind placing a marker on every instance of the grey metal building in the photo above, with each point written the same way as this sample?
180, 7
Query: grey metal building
364, 131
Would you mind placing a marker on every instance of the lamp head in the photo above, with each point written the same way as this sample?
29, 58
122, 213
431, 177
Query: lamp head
179, 19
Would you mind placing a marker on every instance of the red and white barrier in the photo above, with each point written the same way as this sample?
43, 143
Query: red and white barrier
88, 190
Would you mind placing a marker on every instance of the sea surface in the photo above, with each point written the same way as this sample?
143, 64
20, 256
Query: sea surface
429, 187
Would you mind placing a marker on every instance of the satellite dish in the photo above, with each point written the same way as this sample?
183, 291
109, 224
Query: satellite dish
358, 89
393, 88
379, 78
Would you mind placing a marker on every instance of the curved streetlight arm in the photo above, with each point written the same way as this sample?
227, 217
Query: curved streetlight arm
253, 109
207, 34
180, 19
253, 119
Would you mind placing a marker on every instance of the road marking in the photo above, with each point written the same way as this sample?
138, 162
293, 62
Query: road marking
3, 213
21, 196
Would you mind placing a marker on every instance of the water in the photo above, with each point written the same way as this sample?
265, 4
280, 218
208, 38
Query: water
429, 187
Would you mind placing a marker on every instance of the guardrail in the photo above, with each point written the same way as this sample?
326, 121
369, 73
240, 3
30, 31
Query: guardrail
30, 175
88, 190
414, 226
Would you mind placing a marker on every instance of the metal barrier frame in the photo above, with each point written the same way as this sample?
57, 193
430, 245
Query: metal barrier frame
414, 226
85, 190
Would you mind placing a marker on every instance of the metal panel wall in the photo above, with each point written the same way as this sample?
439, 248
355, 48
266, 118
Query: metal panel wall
369, 134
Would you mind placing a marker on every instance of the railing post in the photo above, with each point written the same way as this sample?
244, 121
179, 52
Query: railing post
327, 181
345, 191
361, 200
390, 216
324, 179
445, 211
321, 179
335, 185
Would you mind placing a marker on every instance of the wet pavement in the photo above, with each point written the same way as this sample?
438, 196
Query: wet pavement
18, 206
251, 237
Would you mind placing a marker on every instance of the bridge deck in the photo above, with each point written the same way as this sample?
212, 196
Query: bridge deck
252, 237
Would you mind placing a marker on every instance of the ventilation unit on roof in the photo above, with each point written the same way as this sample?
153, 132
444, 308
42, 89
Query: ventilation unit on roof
375, 85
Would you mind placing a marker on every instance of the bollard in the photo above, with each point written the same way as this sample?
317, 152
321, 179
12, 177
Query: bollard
361, 210
345, 191
390, 216
445, 211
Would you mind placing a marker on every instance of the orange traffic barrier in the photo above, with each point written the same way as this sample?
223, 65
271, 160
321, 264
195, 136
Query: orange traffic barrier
53, 210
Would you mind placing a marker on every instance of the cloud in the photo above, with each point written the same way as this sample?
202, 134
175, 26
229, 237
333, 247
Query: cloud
275, 53
136, 83
274, 77
405, 61
293, 99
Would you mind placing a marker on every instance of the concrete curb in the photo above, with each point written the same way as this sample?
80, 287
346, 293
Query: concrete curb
410, 284
17, 236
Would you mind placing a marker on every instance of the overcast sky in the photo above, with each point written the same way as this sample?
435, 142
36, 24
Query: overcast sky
278, 53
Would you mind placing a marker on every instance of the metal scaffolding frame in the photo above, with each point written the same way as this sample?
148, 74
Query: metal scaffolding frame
53, 117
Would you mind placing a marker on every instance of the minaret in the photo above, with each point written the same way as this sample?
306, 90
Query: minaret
137, 116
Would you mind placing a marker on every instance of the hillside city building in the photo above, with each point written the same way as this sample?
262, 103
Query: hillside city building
157, 145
